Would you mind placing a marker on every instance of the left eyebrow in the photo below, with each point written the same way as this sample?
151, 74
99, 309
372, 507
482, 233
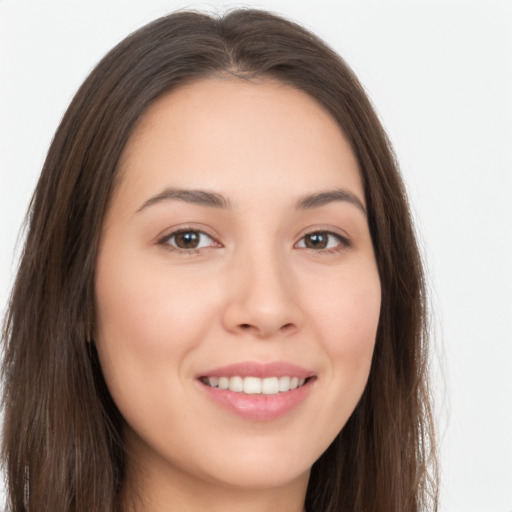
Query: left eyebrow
329, 196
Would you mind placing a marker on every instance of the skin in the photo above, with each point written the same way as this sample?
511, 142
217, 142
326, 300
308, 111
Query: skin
252, 291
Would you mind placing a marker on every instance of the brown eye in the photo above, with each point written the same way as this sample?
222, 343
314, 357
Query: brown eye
189, 240
320, 240
316, 240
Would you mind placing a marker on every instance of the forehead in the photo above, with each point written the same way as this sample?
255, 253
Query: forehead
238, 135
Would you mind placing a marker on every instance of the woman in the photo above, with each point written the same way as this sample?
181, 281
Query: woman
220, 303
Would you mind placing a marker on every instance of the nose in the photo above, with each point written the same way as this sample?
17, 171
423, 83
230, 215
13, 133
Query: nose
262, 298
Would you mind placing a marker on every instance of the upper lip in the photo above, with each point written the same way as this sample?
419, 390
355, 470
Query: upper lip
261, 370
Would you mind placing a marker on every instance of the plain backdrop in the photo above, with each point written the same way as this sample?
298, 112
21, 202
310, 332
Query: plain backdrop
440, 76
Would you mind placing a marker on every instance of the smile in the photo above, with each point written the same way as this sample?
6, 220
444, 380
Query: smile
255, 385
258, 391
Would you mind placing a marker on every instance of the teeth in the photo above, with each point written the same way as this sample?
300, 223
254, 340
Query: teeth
284, 384
252, 385
255, 385
223, 382
236, 384
270, 386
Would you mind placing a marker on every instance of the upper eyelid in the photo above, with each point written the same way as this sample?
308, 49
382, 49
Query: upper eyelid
179, 231
164, 242
343, 239
340, 234
176, 230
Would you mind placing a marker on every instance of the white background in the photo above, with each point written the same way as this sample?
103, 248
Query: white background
440, 75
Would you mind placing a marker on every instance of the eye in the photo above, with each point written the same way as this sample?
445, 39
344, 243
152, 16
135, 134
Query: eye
323, 240
188, 239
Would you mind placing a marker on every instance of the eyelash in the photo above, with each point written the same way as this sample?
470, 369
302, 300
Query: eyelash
165, 242
343, 242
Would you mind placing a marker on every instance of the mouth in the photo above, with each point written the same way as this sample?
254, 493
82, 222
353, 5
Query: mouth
255, 385
258, 392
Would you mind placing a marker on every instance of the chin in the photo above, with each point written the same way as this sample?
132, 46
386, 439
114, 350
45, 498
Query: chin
243, 476
259, 466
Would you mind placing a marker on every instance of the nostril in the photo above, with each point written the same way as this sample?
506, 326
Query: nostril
283, 328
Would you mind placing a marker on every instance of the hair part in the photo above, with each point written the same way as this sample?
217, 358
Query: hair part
62, 436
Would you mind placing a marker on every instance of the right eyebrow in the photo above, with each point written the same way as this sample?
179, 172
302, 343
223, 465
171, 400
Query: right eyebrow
199, 197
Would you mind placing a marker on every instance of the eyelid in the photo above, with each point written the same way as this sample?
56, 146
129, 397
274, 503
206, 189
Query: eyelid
162, 240
344, 238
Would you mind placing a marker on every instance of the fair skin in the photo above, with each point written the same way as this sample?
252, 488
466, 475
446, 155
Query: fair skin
271, 262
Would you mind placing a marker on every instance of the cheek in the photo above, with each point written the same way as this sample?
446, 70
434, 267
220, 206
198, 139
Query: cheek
348, 312
346, 317
147, 315
150, 321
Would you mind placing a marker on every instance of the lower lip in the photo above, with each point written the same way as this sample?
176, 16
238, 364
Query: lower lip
259, 407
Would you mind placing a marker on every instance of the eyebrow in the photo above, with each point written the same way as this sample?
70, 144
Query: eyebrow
216, 200
199, 197
323, 198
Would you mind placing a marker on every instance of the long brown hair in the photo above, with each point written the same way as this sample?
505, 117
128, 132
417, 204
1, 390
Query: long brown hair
62, 437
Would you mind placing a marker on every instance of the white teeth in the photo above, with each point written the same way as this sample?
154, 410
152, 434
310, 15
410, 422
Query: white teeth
252, 385
270, 386
284, 383
236, 384
255, 385
223, 382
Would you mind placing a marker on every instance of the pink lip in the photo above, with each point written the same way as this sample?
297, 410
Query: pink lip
261, 370
259, 407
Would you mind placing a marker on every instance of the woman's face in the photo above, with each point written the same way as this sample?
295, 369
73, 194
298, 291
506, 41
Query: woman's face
236, 253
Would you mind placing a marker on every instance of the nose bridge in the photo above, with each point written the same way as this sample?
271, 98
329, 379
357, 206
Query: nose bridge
262, 298
269, 278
